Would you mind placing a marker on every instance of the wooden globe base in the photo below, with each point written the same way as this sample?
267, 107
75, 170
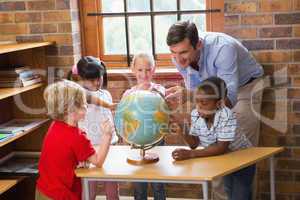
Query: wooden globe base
141, 160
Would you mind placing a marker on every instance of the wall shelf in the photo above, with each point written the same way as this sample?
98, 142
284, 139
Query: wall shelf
8, 92
21, 134
7, 48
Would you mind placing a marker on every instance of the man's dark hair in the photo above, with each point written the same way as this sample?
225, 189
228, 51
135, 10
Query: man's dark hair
214, 87
181, 30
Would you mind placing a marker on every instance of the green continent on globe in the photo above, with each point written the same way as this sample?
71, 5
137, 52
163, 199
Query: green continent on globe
130, 124
142, 118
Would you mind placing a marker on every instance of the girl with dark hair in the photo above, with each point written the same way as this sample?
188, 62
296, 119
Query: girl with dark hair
93, 77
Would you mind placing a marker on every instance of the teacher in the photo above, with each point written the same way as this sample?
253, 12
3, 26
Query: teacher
198, 56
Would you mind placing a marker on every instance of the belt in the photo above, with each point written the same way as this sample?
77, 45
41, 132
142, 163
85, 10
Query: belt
250, 80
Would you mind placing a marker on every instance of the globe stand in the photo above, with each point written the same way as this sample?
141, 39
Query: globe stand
143, 157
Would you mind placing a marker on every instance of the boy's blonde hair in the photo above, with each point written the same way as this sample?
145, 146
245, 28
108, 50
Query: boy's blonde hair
145, 56
62, 98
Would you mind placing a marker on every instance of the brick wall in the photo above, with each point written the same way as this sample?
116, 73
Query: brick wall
270, 29
50, 20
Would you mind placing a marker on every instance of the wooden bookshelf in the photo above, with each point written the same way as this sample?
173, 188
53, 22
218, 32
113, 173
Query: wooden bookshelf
7, 48
8, 92
7, 184
19, 135
33, 55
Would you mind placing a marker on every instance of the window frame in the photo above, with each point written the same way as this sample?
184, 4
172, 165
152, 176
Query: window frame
93, 40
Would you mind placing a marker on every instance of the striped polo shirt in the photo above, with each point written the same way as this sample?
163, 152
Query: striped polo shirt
223, 129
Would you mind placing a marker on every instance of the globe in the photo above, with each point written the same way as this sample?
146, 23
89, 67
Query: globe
142, 118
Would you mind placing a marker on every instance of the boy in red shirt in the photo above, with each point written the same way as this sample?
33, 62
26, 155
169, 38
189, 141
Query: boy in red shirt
65, 145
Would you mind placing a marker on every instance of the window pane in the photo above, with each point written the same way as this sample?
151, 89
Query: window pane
198, 19
164, 5
162, 25
138, 5
112, 6
192, 4
140, 34
114, 41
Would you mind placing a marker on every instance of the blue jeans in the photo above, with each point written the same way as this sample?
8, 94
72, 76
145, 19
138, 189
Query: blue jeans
238, 185
140, 189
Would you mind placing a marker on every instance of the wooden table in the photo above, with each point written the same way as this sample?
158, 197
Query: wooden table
7, 184
193, 171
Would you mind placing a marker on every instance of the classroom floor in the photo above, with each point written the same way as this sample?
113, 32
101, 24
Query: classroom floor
131, 198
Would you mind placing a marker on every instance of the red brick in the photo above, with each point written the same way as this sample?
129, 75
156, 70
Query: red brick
62, 4
275, 5
8, 38
296, 152
52, 50
65, 27
28, 17
60, 61
41, 5
231, 20
43, 28
296, 105
293, 93
288, 187
61, 39
29, 38
257, 19
241, 32
296, 83
12, 6
57, 16
258, 44
243, 7
294, 118
296, 31
268, 139
288, 44
13, 29
6, 18
297, 56
275, 32
294, 69
292, 18
296, 5
66, 50
273, 57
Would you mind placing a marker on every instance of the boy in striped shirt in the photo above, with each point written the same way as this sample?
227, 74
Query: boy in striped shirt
213, 126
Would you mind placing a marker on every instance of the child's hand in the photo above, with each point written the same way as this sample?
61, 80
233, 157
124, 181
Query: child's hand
113, 106
182, 154
84, 164
107, 126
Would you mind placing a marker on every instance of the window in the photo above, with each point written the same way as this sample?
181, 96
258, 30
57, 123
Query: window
114, 30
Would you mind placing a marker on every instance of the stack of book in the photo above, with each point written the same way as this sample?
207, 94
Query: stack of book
17, 126
18, 77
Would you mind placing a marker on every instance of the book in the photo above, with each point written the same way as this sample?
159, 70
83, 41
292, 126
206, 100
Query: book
31, 82
13, 70
16, 126
20, 82
4, 136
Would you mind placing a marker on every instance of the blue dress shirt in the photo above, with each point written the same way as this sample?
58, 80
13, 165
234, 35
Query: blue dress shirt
224, 57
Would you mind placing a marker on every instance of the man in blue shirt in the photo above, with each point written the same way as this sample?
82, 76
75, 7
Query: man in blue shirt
200, 56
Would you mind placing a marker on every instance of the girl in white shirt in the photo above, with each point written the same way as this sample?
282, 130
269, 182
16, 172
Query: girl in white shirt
93, 78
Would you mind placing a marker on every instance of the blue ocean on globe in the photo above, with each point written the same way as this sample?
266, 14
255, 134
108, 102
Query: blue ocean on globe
142, 118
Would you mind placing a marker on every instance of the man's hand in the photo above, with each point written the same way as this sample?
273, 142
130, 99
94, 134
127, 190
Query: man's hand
182, 154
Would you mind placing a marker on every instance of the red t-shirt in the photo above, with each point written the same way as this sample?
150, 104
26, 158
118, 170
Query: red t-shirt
63, 148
